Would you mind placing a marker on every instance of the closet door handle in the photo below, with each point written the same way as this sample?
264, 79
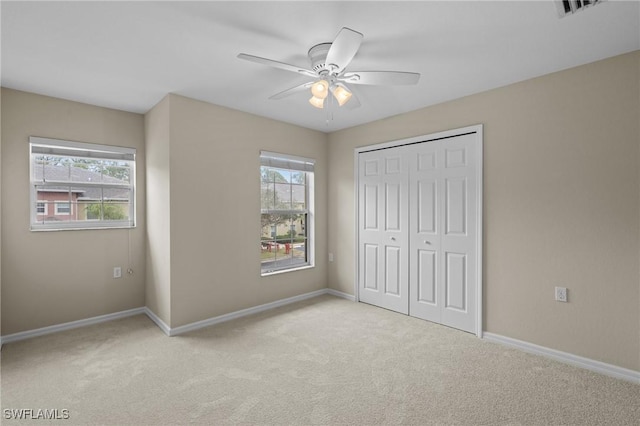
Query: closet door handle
393, 238
427, 242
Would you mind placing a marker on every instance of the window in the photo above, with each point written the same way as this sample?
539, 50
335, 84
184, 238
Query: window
63, 208
41, 208
81, 186
286, 207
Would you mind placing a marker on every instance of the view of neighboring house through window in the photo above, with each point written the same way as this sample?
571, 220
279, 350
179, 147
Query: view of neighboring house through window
79, 185
286, 189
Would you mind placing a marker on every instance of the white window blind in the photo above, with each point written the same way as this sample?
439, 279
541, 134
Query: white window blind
284, 161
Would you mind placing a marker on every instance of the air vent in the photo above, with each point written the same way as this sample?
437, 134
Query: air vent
569, 7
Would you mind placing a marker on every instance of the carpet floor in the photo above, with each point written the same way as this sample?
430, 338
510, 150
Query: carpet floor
323, 361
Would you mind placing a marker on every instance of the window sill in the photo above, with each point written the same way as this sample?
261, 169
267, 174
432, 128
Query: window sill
83, 228
283, 271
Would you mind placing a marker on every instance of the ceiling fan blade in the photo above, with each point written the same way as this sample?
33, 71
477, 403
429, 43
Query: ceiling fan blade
383, 78
292, 91
343, 48
276, 64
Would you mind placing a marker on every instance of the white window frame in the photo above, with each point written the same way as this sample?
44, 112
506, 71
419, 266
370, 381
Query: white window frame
56, 147
307, 165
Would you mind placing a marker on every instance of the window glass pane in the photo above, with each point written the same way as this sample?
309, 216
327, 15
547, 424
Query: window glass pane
85, 170
116, 203
269, 174
52, 168
267, 196
299, 252
265, 176
281, 175
298, 197
267, 252
299, 223
298, 177
114, 210
89, 210
282, 196
116, 172
37, 166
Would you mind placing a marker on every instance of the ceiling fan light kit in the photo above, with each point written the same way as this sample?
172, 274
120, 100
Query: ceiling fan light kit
328, 64
317, 102
320, 89
341, 94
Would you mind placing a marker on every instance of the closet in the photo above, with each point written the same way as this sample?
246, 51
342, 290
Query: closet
419, 227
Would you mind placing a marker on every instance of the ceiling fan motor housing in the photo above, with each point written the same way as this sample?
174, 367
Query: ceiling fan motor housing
318, 56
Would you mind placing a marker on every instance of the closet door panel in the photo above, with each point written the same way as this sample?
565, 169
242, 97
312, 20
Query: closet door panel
425, 190
382, 238
459, 234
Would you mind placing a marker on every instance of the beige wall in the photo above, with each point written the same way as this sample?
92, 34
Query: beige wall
158, 238
0, 212
561, 205
214, 203
54, 277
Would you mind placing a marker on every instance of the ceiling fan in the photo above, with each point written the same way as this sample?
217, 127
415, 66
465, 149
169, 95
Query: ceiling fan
328, 71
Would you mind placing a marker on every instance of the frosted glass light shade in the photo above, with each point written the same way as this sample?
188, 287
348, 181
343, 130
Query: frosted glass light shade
317, 102
341, 94
320, 89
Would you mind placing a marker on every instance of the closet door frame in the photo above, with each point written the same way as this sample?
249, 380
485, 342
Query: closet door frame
478, 131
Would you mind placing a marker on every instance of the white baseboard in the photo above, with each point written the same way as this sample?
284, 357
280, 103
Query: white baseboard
161, 324
70, 325
243, 312
156, 319
337, 293
578, 361
589, 364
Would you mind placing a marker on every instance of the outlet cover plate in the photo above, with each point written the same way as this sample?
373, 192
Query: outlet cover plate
561, 294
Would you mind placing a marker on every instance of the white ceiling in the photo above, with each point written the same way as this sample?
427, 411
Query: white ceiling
129, 55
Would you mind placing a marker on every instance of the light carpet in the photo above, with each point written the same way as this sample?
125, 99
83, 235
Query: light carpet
322, 361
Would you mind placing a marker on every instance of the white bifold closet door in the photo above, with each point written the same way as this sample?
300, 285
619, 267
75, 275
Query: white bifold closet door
384, 221
417, 230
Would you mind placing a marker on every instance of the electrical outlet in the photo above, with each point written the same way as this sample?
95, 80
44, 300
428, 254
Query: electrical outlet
330, 257
561, 294
117, 272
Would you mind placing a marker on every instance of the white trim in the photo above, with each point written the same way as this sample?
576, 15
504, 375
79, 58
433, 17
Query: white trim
575, 360
341, 294
478, 129
71, 325
244, 312
578, 361
285, 270
356, 228
161, 324
479, 224
156, 319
